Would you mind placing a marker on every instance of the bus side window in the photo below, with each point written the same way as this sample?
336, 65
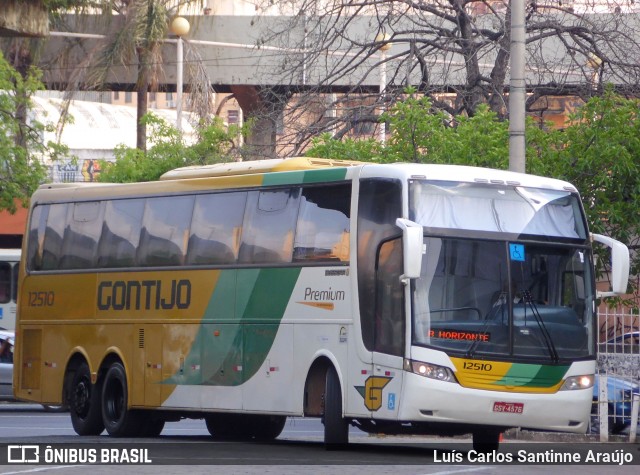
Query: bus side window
216, 217
52, 245
322, 232
14, 288
165, 231
5, 282
81, 235
36, 236
120, 233
269, 224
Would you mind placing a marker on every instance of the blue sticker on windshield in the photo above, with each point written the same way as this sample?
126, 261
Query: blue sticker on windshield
517, 252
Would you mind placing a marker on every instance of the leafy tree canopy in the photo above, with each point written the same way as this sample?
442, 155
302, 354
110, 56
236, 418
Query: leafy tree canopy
23, 151
216, 144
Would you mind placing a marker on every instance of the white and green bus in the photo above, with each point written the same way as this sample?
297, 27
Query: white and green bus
9, 265
398, 298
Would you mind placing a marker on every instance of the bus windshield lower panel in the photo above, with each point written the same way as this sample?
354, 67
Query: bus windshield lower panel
481, 298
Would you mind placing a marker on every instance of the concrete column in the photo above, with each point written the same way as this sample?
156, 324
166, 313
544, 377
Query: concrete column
24, 18
263, 106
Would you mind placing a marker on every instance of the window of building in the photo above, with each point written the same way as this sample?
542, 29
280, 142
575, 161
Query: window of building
233, 117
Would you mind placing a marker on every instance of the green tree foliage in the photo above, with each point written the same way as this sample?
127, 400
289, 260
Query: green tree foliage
23, 150
169, 150
599, 152
421, 133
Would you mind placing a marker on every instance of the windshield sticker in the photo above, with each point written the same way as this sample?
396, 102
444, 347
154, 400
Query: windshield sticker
517, 252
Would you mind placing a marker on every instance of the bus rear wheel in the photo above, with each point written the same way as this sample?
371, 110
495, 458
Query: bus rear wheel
336, 428
84, 403
265, 427
118, 419
227, 426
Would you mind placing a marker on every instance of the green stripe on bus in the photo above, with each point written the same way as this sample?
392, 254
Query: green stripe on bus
239, 326
533, 375
326, 174
321, 175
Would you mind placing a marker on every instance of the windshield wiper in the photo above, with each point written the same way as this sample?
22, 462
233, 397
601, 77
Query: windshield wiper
500, 305
528, 301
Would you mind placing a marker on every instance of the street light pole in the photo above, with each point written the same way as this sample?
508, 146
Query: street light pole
386, 46
517, 88
180, 27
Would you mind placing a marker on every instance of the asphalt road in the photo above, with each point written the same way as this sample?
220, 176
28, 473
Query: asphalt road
185, 447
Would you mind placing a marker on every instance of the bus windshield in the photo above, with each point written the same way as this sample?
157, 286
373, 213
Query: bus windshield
496, 208
502, 297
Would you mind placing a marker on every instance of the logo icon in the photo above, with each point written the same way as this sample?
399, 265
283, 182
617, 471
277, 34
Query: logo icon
372, 391
23, 454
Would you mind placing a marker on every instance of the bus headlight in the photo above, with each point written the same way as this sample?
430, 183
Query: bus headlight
578, 382
432, 371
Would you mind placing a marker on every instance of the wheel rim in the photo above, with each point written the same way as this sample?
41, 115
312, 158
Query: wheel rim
82, 395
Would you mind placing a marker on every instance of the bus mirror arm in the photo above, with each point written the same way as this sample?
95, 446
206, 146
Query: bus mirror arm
412, 245
619, 265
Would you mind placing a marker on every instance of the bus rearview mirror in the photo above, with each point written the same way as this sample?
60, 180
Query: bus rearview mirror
412, 244
619, 265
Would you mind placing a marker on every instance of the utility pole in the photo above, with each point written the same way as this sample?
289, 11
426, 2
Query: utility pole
517, 87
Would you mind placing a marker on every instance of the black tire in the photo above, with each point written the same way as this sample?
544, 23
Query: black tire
118, 419
486, 440
223, 426
84, 403
336, 428
266, 427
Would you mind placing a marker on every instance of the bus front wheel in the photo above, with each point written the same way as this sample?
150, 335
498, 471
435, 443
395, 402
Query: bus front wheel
118, 419
336, 428
486, 440
84, 403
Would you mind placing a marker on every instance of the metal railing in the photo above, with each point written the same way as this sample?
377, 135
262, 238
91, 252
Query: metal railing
617, 392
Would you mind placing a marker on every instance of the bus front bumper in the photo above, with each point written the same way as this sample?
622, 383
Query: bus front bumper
427, 400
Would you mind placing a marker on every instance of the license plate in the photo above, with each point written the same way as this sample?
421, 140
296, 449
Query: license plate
510, 407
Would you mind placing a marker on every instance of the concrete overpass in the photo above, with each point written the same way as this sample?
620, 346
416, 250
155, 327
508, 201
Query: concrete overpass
242, 56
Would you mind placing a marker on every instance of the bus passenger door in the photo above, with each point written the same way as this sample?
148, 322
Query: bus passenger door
389, 332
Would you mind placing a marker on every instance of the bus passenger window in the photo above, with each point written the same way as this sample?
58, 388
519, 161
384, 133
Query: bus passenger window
52, 246
269, 223
322, 232
165, 231
81, 235
36, 235
14, 288
120, 233
5, 282
216, 219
